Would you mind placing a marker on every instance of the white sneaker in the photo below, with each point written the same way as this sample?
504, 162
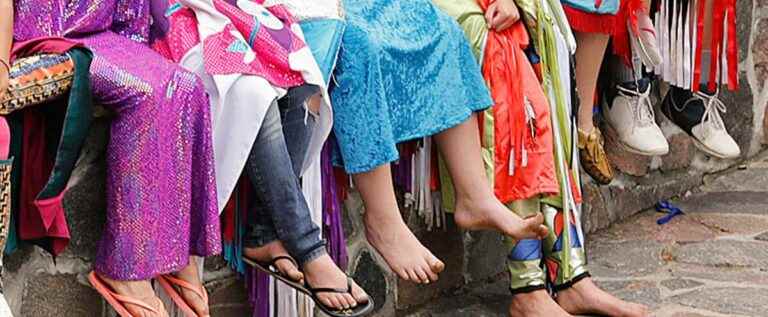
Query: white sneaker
710, 135
631, 116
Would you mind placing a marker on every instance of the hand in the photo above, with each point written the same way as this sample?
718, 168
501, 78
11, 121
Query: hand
502, 14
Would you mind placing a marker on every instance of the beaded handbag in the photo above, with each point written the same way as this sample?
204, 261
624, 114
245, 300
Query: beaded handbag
37, 79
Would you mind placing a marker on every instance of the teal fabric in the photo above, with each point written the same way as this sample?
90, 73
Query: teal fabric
77, 123
323, 36
405, 71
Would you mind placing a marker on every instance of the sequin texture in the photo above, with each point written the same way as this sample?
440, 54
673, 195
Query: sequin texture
161, 196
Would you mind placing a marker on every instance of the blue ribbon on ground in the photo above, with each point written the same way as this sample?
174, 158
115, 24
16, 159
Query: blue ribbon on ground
669, 209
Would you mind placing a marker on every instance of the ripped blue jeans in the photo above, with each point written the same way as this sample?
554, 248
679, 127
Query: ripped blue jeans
279, 210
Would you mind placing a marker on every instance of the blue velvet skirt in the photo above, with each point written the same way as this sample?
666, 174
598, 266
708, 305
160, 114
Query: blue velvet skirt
405, 71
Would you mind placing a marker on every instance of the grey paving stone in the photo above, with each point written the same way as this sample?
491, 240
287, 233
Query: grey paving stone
725, 253
749, 202
643, 292
680, 283
742, 301
629, 258
751, 179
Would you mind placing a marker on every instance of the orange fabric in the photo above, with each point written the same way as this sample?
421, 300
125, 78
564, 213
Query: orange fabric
511, 79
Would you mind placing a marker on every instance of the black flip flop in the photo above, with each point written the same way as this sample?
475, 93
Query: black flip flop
361, 309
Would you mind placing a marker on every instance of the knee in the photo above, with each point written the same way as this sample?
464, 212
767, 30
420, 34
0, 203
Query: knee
271, 126
314, 102
188, 84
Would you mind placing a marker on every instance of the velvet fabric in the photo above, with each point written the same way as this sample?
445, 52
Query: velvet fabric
405, 71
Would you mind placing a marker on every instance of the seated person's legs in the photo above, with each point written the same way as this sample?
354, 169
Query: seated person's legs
280, 223
161, 202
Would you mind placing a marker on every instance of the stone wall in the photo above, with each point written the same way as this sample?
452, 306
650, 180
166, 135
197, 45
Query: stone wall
35, 286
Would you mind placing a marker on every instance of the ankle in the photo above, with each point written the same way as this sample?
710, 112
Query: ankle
474, 201
374, 221
129, 287
524, 301
586, 129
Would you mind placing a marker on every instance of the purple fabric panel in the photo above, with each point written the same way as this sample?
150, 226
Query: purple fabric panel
161, 200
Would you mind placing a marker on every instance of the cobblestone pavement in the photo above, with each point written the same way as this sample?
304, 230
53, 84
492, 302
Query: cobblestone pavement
712, 261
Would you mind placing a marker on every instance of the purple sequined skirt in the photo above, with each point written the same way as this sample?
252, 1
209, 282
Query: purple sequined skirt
161, 193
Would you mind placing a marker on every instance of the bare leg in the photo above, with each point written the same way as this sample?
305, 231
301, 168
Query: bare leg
707, 35
535, 304
585, 298
139, 290
190, 274
388, 233
589, 57
477, 207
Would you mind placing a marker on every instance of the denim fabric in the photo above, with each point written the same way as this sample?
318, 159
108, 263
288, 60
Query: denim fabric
279, 210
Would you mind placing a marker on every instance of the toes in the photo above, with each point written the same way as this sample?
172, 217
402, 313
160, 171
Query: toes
333, 302
359, 294
403, 274
341, 299
432, 275
350, 301
420, 272
412, 276
326, 301
437, 266
290, 270
295, 275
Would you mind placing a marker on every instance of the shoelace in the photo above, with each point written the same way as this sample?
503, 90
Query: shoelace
713, 106
643, 109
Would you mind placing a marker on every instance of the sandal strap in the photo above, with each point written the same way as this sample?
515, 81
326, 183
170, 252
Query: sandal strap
129, 300
283, 257
188, 286
348, 290
102, 286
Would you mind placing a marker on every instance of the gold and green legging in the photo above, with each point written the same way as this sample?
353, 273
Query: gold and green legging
559, 260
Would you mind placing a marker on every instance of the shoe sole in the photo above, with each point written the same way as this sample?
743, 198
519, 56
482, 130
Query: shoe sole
632, 150
709, 151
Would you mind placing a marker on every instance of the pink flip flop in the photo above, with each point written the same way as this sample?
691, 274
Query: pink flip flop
169, 284
115, 300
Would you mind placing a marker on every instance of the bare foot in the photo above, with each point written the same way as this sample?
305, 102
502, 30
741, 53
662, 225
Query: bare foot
535, 304
191, 275
266, 253
585, 297
405, 255
138, 290
322, 272
491, 214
